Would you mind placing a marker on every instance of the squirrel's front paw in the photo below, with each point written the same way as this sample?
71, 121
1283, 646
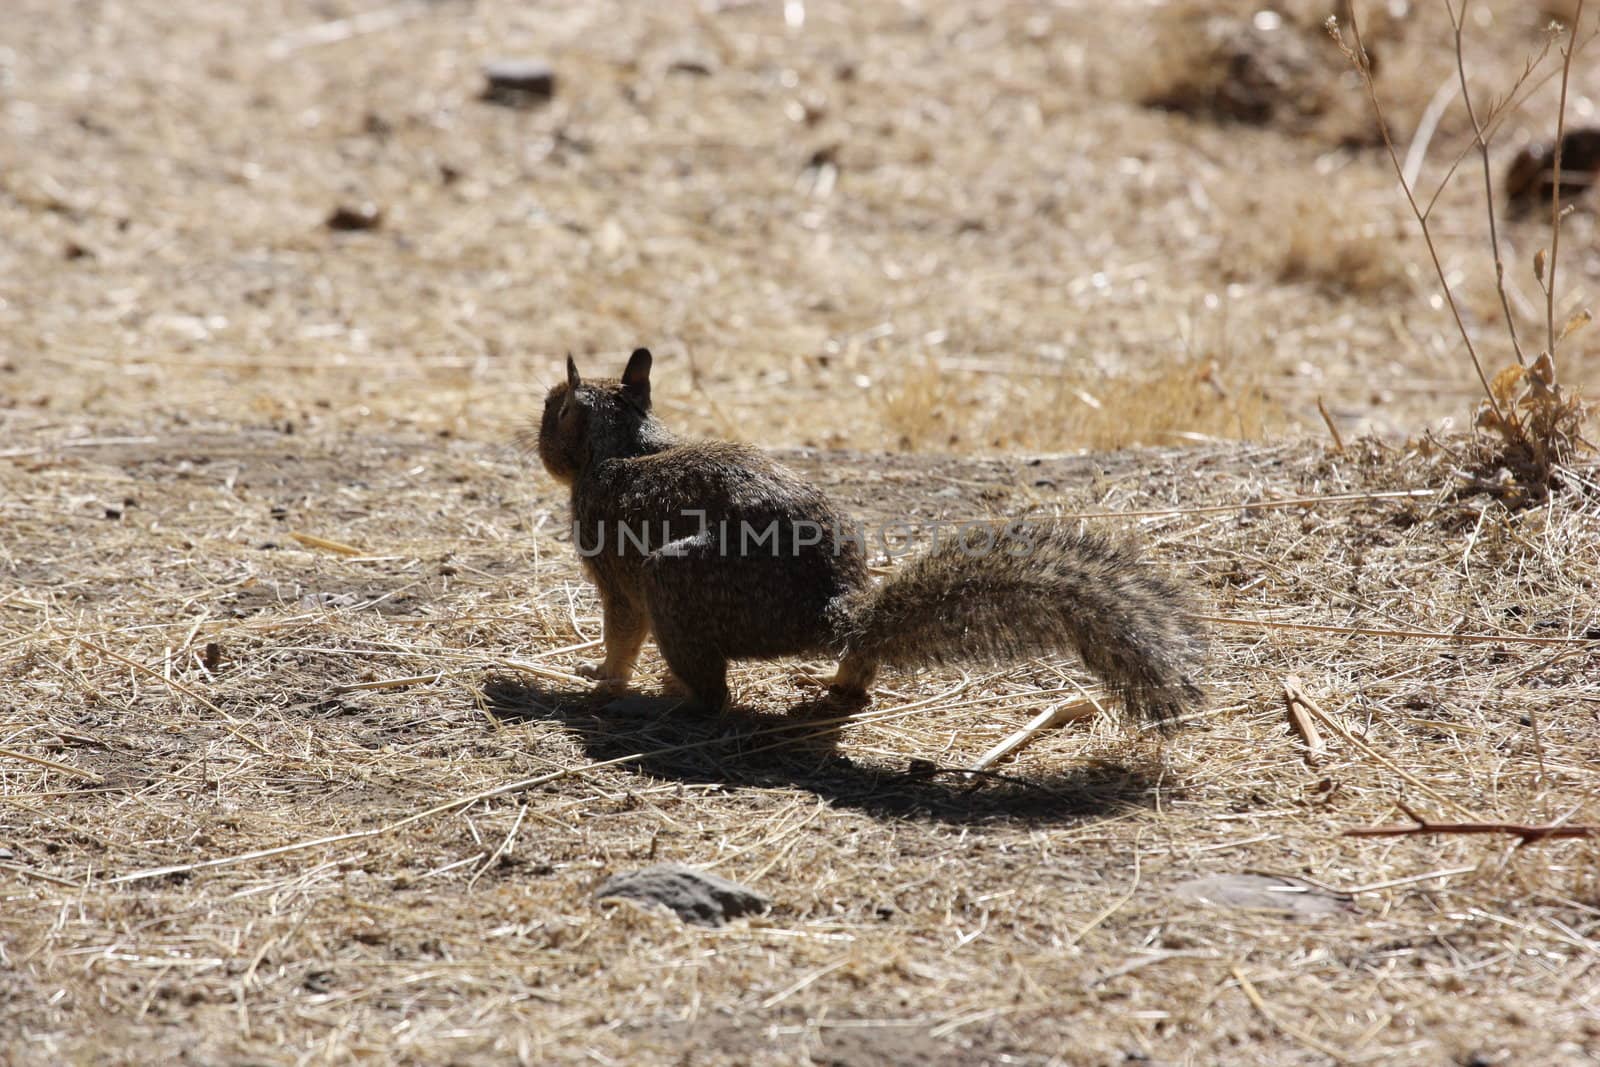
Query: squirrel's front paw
596, 672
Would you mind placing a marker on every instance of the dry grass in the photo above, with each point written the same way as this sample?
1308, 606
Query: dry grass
1241, 62
1197, 398
1338, 238
916, 918
892, 228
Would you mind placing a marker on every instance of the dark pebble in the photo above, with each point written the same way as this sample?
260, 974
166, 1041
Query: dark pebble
518, 82
363, 216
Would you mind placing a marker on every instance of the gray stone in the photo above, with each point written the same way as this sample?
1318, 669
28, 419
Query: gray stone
695, 896
1260, 892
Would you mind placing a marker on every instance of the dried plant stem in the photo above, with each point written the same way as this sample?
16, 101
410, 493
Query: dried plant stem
1456, 20
1242, 505
64, 768
1526, 833
1555, 183
1426, 127
1367, 631
1333, 428
1363, 66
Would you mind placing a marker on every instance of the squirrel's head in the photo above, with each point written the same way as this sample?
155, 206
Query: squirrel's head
587, 421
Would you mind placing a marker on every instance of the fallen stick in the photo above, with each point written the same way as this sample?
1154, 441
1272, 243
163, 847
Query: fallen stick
388, 683
1433, 635
313, 541
1056, 716
1301, 709
1526, 833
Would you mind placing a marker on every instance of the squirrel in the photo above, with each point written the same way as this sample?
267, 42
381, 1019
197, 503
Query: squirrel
723, 554
1530, 180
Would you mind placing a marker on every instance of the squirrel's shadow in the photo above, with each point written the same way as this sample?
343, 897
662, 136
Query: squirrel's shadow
745, 748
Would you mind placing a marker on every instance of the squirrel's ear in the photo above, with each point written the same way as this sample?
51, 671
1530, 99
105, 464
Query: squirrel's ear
636, 378
573, 381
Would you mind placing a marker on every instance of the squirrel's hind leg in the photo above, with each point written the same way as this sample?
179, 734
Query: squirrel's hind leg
695, 665
853, 680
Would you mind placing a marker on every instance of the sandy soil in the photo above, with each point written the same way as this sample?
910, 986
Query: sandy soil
293, 764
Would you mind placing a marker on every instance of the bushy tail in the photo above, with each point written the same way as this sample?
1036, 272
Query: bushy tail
1038, 589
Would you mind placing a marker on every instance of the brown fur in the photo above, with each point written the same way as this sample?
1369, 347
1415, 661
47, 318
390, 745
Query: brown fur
1037, 589
1530, 177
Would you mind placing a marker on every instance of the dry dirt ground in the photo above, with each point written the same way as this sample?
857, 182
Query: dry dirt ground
268, 798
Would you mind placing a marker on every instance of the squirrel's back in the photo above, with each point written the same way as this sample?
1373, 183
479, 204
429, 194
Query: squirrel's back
721, 534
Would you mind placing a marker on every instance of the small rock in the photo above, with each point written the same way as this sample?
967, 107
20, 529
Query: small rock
518, 82
699, 66
693, 895
362, 216
1259, 892
330, 601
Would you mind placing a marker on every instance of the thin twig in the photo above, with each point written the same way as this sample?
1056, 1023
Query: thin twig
1363, 66
1213, 509
1526, 833
1456, 20
1338, 441
31, 872
1056, 715
1384, 761
64, 768
1426, 126
1555, 183
313, 541
1364, 631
